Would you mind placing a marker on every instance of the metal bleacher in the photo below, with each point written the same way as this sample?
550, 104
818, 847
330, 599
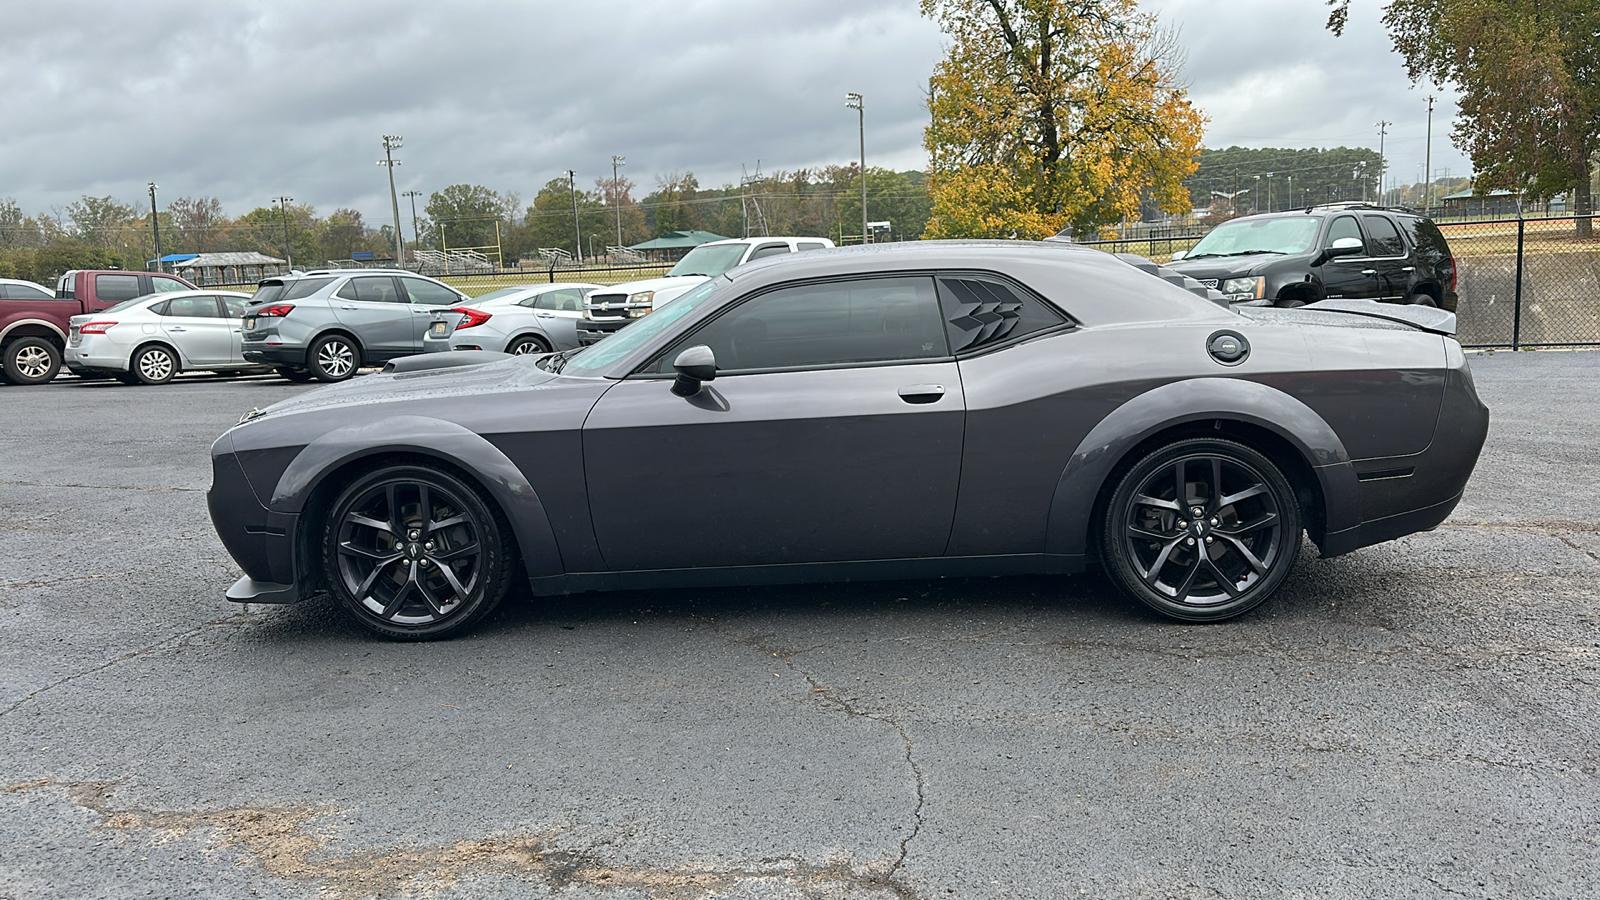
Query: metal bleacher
451, 262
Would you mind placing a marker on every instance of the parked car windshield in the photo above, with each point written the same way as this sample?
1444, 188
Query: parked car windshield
710, 260
598, 356
1242, 236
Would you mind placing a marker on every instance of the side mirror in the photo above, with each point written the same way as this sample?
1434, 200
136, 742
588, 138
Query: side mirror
1345, 246
1179, 255
695, 365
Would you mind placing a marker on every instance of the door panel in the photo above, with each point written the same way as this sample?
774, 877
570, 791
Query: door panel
196, 327
375, 309
1350, 277
782, 467
558, 313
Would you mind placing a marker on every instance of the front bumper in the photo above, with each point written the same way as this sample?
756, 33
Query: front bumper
261, 541
592, 330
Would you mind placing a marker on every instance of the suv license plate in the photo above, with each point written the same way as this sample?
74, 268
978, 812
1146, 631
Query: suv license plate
249, 323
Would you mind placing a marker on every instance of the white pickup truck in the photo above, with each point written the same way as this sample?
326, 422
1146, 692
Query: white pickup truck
608, 309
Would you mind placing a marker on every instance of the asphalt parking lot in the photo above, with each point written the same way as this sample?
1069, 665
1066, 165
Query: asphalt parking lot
1418, 719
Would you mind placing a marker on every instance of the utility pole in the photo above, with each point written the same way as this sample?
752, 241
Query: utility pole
416, 235
616, 192
853, 101
1427, 163
577, 235
391, 143
1383, 161
155, 222
283, 208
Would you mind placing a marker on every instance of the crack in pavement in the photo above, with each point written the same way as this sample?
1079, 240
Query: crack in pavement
107, 487
280, 843
47, 582
843, 704
1536, 526
240, 618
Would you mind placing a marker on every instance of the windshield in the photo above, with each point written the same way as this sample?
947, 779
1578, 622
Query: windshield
709, 259
598, 356
496, 295
1241, 236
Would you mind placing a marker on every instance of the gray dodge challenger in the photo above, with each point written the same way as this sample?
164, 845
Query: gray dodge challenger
899, 411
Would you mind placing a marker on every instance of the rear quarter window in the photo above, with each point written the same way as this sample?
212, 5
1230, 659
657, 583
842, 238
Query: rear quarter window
116, 288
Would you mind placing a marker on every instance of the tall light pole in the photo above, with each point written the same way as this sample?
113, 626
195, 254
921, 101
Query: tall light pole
852, 100
391, 143
616, 192
577, 234
1270, 207
155, 222
1383, 161
1427, 163
283, 207
416, 235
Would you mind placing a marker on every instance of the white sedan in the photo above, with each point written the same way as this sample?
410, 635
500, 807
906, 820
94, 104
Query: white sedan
149, 339
530, 318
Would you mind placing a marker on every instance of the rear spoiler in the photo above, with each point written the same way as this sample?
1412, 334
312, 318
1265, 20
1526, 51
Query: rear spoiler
1422, 318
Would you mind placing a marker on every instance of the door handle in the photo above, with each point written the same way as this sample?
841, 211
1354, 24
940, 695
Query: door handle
177, 328
1369, 271
921, 393
348, 306
545, 315
1409, 269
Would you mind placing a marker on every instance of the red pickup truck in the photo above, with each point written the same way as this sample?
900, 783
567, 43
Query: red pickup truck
33, 322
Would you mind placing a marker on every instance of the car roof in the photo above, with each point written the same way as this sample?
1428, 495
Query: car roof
753, 240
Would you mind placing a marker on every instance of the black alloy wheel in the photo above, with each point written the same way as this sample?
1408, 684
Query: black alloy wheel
415, 553
154, 364
527, 344
1201, 530
30, 360
333, 358
298, 376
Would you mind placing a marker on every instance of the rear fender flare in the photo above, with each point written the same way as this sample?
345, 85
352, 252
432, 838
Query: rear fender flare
1198, 400
442, 440
10, 328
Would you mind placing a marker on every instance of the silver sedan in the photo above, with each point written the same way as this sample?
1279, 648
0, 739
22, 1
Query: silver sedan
149, 339
532, 318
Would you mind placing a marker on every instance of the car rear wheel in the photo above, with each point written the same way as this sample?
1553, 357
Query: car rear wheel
415, 553
154, 365
1201, 530
528, 344
298, 376
30, 360
333, 358
1420, 299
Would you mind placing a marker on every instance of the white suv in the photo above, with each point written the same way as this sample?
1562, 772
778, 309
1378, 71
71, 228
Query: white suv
608, 309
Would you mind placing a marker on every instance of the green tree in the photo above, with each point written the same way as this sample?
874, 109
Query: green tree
195, 221
343, 233
1529, 75
672, 205
464, 215
262, 230
901, 198
1047, 113
101, 221
548, 223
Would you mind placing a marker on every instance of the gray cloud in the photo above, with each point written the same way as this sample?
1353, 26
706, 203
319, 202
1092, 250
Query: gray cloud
249, 100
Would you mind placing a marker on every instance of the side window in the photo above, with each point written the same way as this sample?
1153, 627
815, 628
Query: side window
838, 323
982, 312
116, 288
1385, 239
305, 287
427, 293
569, 299
160, 285
1343, 227
766, 250
374, 289
200, 306
234, 307
810, 245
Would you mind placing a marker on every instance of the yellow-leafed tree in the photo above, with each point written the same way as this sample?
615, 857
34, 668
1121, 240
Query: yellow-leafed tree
1048, 113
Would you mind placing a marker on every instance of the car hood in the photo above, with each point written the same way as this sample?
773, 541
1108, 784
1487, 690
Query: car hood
1224, 267
515, 373
672, 285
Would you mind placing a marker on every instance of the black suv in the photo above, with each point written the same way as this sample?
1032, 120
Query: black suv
1349, 250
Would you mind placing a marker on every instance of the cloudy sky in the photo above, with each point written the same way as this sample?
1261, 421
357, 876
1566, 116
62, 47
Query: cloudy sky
247, 101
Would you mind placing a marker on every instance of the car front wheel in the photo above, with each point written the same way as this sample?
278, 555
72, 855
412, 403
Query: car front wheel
415, 553
334, 358
1201, 530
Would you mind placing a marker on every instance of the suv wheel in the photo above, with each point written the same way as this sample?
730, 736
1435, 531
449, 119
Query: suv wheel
1420, 299
31, 360
333, 358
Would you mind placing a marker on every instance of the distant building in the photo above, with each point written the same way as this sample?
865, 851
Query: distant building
674, 244
1495, 204
228, 268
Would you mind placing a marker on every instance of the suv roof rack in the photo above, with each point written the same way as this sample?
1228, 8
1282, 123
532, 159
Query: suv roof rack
1360, 204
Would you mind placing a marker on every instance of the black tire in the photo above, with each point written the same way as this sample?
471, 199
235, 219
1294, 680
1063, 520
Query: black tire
30, 360
155, 364
127, 378
1213, 566
1421, 299
298, 376
333, 357
415, 553
528, 343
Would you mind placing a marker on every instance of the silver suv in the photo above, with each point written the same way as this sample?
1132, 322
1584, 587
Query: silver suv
328, 324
